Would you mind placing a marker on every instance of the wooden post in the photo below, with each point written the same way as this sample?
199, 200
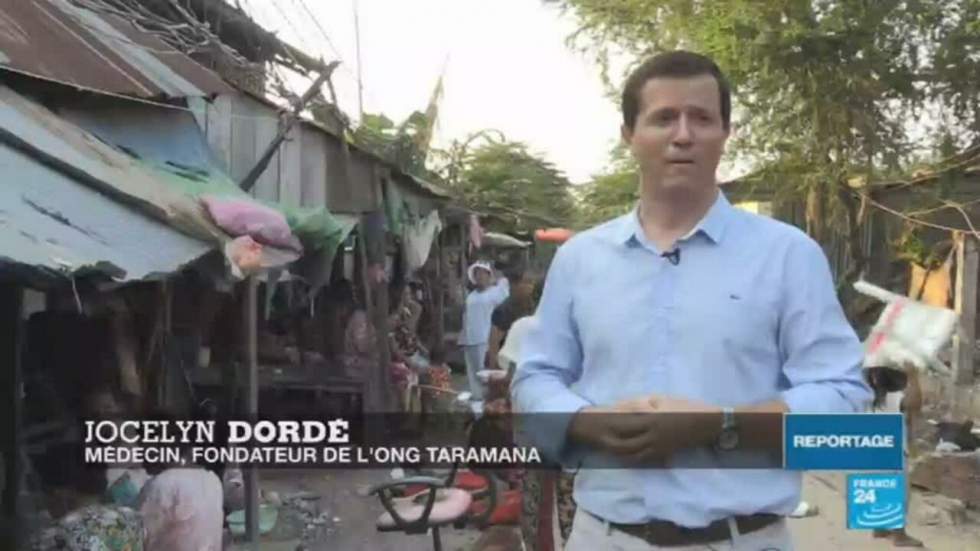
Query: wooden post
11, 336
381, 307
253, 175
252, 406
365, 279
440, 292
966, 307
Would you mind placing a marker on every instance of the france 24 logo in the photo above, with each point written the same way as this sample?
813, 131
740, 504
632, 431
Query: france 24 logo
876, 501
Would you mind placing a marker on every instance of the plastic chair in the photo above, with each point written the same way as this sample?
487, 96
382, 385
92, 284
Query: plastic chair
437, 505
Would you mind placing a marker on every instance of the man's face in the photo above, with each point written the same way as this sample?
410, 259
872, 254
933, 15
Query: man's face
482, 278
678, 136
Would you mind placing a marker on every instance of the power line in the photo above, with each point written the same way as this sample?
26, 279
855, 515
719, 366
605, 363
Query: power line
344, 66
316, 21
299, 35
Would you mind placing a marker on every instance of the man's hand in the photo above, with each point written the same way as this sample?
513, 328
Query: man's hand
644, 429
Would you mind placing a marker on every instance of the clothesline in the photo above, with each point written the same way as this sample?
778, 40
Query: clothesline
926, 223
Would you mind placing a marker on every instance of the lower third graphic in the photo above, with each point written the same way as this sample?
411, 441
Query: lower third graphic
875, 501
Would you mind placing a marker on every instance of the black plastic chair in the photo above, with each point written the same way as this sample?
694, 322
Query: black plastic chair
439, 505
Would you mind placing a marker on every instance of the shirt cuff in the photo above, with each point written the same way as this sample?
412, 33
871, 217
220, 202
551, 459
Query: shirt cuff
817, 398
547, 428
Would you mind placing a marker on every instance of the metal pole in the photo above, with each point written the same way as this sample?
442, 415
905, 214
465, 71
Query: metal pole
360, 74
252, 406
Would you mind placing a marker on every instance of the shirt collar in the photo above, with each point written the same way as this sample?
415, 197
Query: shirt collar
712, 225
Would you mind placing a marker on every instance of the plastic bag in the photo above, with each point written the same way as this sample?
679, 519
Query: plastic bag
907, 331
244, 255
240, 217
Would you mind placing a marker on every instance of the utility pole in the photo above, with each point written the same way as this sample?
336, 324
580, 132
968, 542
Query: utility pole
293, 116
357, 45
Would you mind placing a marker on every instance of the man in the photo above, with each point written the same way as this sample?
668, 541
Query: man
684, 305
520, 304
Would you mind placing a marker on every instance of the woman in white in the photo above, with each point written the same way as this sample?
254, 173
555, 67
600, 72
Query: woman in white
475, 335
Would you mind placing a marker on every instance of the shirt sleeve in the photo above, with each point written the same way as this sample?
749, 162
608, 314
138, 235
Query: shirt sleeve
551, 360
500, 292
822, 356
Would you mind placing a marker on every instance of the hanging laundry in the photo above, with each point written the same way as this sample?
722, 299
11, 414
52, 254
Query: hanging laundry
476, 233
417, 239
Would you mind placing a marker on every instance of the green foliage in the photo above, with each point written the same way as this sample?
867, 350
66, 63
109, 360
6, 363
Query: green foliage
824, 90
397, 144
507, 179
608, 196
611, 193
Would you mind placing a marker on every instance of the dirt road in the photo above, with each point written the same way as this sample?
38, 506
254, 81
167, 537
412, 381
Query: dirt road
828, 531
351, 518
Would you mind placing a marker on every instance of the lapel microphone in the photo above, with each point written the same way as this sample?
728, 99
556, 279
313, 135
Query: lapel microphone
674, 256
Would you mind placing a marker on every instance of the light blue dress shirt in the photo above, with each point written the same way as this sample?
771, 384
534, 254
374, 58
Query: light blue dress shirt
749, 314
478, 315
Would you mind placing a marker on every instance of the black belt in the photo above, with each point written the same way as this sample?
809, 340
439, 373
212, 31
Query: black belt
664, 533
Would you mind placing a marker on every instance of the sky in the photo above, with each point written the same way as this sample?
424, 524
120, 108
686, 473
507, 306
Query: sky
507, 67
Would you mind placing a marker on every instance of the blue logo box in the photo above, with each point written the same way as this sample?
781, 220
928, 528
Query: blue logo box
844, 442
875, 501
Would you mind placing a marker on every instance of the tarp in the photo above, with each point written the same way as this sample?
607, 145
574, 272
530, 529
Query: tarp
502, 240
170, 145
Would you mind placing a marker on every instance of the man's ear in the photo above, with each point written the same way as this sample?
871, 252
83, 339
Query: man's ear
626, 133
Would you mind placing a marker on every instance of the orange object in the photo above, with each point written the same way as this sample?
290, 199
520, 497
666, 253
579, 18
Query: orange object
508, 510
554, 235
245, 255
470, 481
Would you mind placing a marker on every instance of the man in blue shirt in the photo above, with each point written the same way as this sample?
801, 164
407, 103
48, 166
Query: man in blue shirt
690, 305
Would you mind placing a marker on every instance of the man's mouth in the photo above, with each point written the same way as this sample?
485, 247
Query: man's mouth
681, 161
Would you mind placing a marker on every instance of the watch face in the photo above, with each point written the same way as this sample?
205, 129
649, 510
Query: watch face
728, 439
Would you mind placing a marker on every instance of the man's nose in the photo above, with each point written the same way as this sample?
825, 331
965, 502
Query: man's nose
683, 134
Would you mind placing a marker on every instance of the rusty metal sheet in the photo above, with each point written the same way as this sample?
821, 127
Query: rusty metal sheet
112, 171
56, 40
55, 226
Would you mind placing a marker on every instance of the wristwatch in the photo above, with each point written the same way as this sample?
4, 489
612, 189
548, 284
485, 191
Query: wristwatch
728, 438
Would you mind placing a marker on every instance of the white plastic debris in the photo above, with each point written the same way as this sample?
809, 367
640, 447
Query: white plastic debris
907, 331
947, 447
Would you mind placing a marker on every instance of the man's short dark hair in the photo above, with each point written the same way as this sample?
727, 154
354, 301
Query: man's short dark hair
675, 64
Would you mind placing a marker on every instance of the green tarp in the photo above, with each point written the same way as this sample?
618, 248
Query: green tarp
315, 227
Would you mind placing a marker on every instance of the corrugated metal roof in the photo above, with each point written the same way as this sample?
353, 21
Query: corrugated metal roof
101, 166
56, 40
53, 224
